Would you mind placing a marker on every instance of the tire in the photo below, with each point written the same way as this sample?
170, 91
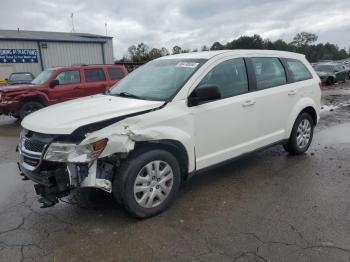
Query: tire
28, 108
330, 81
142, 192
303, 126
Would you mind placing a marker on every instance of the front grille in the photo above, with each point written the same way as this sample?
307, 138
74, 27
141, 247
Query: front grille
31, 151
33, 146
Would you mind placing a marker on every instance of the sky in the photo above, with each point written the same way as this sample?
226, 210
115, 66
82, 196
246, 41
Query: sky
187, 23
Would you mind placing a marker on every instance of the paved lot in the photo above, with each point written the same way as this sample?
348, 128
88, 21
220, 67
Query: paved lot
266, 207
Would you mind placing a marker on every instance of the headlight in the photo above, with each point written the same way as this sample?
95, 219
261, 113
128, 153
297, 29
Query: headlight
64, 152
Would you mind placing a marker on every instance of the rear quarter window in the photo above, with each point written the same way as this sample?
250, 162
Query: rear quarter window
298, 70
94, 75
115, 73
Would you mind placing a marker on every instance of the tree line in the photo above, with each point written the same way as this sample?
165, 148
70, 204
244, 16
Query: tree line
303, 42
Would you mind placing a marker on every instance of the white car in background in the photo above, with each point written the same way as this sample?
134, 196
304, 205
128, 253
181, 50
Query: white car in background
168, 120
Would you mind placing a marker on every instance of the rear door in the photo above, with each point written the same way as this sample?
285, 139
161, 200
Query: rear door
95, 81
273, 100
68, 88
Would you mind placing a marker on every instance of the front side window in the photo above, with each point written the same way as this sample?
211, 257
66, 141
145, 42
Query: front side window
298, 70
94, 75
69, 77
115, 73
229, 76
269, 72
158, 80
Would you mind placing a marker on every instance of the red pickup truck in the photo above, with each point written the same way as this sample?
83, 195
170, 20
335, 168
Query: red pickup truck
57, 85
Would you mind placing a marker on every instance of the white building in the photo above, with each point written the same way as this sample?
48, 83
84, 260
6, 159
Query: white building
34, 51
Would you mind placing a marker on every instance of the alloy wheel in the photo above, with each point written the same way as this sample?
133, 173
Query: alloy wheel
304, 133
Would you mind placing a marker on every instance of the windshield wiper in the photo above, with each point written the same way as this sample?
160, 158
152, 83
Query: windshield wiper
126, 94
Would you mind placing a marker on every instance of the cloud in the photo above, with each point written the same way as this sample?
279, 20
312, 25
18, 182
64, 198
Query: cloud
189, 24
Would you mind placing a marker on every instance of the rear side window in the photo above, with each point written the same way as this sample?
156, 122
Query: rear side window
298, 70
269, 72
115, 73
229, 76
69, 77
94, 75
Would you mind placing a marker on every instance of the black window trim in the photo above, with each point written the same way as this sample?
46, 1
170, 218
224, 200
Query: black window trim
70, 83
290, 73
253, 72
248, 78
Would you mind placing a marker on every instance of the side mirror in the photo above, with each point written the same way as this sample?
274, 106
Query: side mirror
203, 94
54, 83
6, 79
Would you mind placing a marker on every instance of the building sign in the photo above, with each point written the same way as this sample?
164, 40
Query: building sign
9, 56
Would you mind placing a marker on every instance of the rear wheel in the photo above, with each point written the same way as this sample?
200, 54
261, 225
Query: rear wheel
147, 182
301, 136
28, 108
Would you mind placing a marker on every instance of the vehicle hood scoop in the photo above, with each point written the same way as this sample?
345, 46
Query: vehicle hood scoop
64, 118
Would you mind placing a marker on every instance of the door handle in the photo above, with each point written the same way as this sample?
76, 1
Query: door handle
292, 92
248, 103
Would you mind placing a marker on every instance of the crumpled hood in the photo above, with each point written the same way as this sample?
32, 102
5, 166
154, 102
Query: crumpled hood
66, 117
7, 88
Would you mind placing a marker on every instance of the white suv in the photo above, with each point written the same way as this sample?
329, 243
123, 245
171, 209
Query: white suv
168, 120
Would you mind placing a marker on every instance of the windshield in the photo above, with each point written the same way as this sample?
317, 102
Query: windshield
42, 77
21, 77
324, 68
158, 80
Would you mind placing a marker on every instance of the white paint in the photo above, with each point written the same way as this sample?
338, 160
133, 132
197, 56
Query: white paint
65, 117
216, 131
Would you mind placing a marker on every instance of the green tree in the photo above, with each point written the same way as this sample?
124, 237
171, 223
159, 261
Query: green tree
217, 46
246, 42
176, 50
304, 39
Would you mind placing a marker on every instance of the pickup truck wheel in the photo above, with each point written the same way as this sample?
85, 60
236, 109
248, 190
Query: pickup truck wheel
28, 108
301, 136
147, 182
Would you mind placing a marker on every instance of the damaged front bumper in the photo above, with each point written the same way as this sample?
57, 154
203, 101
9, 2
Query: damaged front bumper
51, 184
55, 179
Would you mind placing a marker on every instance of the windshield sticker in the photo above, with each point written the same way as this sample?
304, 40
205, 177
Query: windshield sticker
187, 64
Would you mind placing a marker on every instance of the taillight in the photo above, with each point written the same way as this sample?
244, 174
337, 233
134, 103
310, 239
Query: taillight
320, 85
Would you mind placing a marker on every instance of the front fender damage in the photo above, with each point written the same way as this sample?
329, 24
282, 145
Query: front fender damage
120, 142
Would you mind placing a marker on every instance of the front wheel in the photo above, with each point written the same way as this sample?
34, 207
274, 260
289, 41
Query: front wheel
28, 108
301, 136
147, 182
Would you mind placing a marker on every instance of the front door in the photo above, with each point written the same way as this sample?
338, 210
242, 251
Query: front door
223, 127
68, 87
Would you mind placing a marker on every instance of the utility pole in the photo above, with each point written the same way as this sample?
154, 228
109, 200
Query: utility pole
72, 18
106, 28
